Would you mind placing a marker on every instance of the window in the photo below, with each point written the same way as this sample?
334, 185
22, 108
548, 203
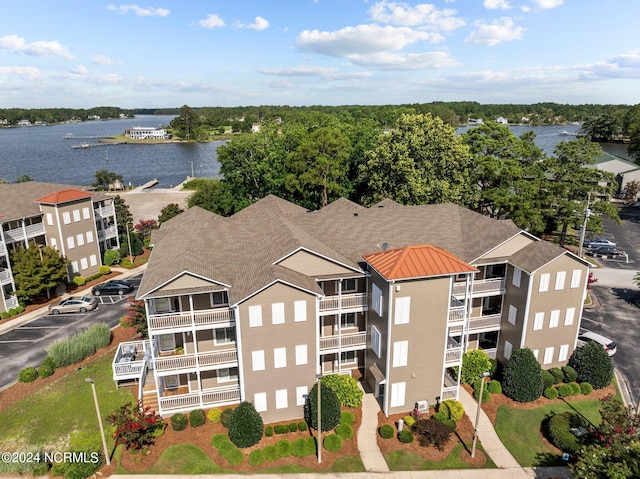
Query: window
74, 266
560, 278
544, 282
400, 353
162, 305
513, 313
224, 336
54, 243
49, 219
299, 311
70, 242
301, 354
86, 214
350, 284
517, 277
301, 395
548, 355
89, 236
277, 313
375, 341
508, 349
554, 320
398, 391
255, 316
76, 215
257, 360
226, 375
564, 352
80, 239
280, 358
84, 264
538, 321
569, 316
66, 217
218, 298
260, 401
348, 358
171, 382
376, 299
536, 352
281, 399
348, 320
403, 306
576, 277
167, 342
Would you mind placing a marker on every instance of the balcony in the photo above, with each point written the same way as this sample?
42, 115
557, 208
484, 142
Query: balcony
5, 276
3, 248
18, 234
131, 360
453, 352
481, 287
11, 302
350, 342
204, 399
188, 319
104, 211
107, 233
347, 303
187, 362
483, 324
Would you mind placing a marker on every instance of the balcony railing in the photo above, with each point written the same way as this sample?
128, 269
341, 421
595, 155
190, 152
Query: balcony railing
456, 315
109, 232
187, 319
5, 275
449, 393
18, 234
11, 302
347, 302
488, 322
453, 352
130, 360
187, 362
481, 287
207, 398
3, 248
102, 211
349, 341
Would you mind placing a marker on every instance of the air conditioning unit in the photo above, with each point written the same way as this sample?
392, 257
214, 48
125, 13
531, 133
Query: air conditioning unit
422, 406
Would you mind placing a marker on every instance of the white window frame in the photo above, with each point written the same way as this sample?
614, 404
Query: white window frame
345, 321
89, 236
84, 264
49, 219
226, 340
346, 289
86, 213
80, 239
71, 242
548, 355
66, 217
538, 321
508, 350
74, 266
376, 299
513, 314
282, 401
517, 277
301, 395
554, 318
543, 287
400, 353
576, 278
162, 305
171, 382
217, 295
346, 360
167, 342
255, 316
569, 316
536, 353
563, 354
403, 310
277, 313
76, 215
376, 341
54, 243
301, 354
299, 311
561, 277
279, 358
398, 393
257, 360
260, 401
224, 375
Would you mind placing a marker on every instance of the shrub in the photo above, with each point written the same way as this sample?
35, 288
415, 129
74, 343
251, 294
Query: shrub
432, 432
386, 431
179, 422
111, 257
302, 426
219, 439
330, 407
593, 365
474, 363
283, 448
559, 429
104, 269
346, 389
551, 393
409, 420
80, 346
36, 468
28, 375
494, 387
405, 436
281, 429
569, 374
345, 431
452, 408
522, 377
494, 366
347, 417
293, 427
332, 442
270, 453
586, 388
486, 396
214, 415
233, 455
137, 427
197, 418
225, 416
445, 420
45, 370
79, 280
256, 457
310, 446
575, 389
245, 425
564, 390
547, 378
299, 448
268, 431
557, 374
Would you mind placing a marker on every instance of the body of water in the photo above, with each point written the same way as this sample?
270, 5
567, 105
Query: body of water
44, 154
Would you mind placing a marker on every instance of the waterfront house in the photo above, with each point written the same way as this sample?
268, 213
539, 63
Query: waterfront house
146, 133
257, 305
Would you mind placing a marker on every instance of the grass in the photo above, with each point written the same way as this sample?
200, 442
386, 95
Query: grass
48, 417
408, 461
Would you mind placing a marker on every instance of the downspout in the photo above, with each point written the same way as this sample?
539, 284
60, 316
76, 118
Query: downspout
526, 310
339, 326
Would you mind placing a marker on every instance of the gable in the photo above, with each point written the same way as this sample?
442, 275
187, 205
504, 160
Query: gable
312, 265
189, 281
509, 247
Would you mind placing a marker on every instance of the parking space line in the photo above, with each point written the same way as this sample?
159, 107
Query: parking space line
4, 341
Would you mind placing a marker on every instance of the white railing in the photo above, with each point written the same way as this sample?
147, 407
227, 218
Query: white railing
492, 353
11, 302
480, 286
190, 318
125, 365
449, 393
212, 397
5, 274
453, 352
18, 234
228, 357
108, 232
456, 315
3, 248
349, 341
348, 302
175, 363
485, 322
103, 211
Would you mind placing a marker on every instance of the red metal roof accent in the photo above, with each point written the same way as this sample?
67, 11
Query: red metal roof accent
64, 196
417, 262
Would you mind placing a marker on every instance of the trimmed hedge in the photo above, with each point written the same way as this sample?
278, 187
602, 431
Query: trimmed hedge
219, 439
270, 453
345, 431
558, 375
179, 422
551, 393
225, 416
283, 448
522, 377
570, 374
256, 457
593, 365
486, 395
346, 389
281, 429
452, 408
330, 414
347, 417
386, 431
245, 425
197, 418
332, 442
474, 363
405, 436
575, 389
494, 387
409, 420
547, 377
560, 435
47, 368
28, 375
564, 390
268, 431
233, 455
302, 426
214, 415
293, 427
586, 388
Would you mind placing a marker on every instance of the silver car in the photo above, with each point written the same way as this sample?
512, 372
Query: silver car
74, 304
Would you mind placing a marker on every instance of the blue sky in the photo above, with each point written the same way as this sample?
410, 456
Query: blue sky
167, 53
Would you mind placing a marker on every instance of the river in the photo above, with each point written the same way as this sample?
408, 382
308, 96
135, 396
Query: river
43, 153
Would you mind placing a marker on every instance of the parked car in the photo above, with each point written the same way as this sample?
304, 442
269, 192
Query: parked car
115, 286
74, 304
585, 336
605, 252
597, 242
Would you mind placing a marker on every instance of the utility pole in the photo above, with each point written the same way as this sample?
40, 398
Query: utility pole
587, 213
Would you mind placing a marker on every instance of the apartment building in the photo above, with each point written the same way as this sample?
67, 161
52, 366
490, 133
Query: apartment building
258, 305
80, 224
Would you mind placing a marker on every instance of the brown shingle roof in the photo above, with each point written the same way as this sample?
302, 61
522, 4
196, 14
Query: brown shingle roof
536, 255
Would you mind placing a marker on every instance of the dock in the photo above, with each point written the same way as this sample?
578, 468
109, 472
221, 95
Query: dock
70, 136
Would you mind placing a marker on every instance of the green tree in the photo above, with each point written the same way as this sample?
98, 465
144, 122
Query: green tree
187, 124
607, 126
632, 130
37, 270
124, 218
245, 425
104, 178
330, 408
168, 212
214, 195
422, 160
522, 377
136, 318
23, 179
474, 363
593, 365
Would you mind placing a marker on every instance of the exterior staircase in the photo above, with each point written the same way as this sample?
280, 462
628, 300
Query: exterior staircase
149, 393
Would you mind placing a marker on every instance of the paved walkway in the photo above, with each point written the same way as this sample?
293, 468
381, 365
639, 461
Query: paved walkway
368, 435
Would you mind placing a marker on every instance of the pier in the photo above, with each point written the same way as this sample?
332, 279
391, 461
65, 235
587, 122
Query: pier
91, 145
70, 136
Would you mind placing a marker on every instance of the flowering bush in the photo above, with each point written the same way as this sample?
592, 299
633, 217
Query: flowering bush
135, 427
136, 318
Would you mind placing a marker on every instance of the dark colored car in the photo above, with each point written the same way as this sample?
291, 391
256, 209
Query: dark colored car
116, 286
598, 242
605, 252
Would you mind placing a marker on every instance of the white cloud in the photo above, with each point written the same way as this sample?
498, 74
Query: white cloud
80, 70
259, 24
309, 71
29, 73
422, 15
102, 60
501, 30
497, 4
16, 44
548, 3
139, 11
212, 21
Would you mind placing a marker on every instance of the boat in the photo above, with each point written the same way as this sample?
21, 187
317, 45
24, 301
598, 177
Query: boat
83, 145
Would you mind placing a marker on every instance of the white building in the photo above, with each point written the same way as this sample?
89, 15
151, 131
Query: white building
146, 133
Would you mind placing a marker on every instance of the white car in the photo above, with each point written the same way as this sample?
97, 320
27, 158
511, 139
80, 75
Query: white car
585, 336
597, 242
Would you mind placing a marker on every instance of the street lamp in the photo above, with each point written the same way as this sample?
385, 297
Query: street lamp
319, 377
475, 429
129, 243
104, 439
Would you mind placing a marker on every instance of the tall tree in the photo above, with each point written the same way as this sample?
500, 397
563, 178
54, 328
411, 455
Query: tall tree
632, 129
124, 217
37, 270
168, 212
104, 178
187, 124
421, 160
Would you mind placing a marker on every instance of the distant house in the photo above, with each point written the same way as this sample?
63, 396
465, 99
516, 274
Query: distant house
24, 123
255, 128
502, 120
624, 170
146, 133
475, 121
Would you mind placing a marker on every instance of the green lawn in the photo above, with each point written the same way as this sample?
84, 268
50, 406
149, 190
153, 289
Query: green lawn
407, 461
48, 417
